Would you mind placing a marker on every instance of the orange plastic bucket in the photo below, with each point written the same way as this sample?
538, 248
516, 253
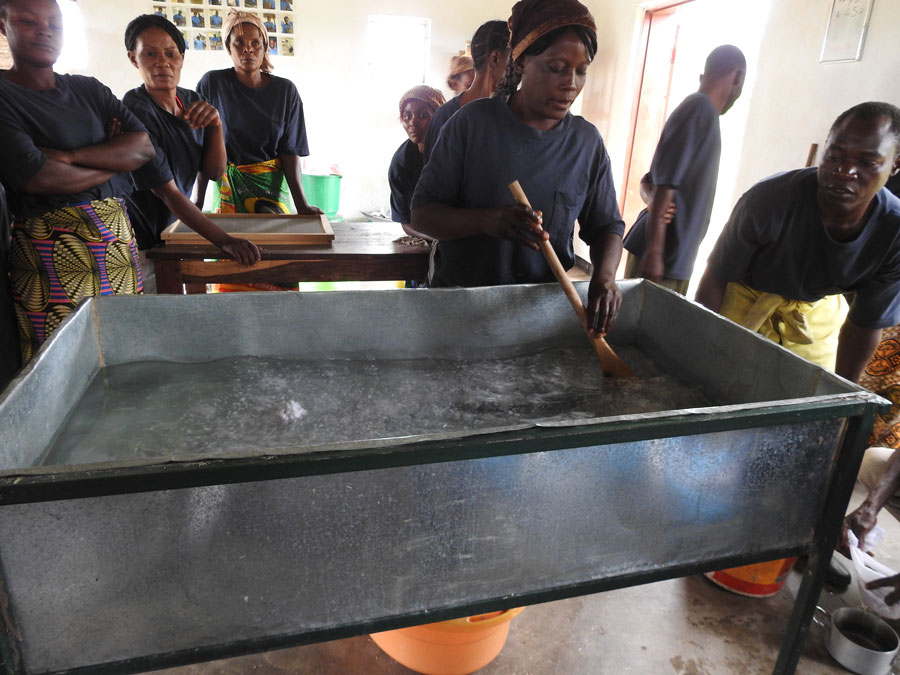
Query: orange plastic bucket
756, 581
455, 647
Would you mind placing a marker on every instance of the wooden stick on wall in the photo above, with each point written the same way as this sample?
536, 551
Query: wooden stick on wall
811, 157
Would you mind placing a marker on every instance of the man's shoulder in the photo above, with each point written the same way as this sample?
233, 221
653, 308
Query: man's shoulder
778, 198
696, 109
795, 185
891, 206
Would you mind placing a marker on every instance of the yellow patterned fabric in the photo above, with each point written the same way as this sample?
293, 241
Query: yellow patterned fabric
882, 375
252, 188
64, 256
809, 329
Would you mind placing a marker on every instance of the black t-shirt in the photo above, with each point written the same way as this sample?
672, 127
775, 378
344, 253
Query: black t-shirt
403, 174
179, 155
74, 115
260, 124
438, 120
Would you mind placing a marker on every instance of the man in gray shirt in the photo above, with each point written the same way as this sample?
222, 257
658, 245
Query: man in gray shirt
683, 177
803, 238
796, 242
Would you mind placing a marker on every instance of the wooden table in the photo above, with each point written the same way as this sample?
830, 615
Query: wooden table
359, 252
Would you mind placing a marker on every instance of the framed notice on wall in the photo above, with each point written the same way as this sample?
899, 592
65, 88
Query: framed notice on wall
200, 21
846, 30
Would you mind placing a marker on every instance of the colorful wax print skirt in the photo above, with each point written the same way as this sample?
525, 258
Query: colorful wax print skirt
63, 256
252, 188
882, 375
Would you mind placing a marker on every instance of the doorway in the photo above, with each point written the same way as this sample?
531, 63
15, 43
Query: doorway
659, 48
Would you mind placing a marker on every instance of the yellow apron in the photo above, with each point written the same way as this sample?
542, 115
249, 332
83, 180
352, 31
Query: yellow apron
809, 329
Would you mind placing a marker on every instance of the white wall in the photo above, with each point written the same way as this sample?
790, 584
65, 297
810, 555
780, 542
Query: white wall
797, 98
348, 123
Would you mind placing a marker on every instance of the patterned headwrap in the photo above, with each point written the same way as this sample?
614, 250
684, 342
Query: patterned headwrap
532, 19
235, 17
422, 92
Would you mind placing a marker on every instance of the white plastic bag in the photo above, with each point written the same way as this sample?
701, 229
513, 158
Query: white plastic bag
869, 569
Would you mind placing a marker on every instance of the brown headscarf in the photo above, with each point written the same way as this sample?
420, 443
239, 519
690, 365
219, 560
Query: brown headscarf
422, 92
460, 64
236, 17
532, 19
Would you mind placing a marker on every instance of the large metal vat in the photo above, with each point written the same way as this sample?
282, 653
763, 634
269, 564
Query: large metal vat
126, 566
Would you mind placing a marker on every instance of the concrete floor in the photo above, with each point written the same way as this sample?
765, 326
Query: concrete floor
683, 626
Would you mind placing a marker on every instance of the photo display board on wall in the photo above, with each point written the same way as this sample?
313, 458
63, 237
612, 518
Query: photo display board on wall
200, 21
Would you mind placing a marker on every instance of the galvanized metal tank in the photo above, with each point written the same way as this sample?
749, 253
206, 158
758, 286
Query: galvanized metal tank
126, 566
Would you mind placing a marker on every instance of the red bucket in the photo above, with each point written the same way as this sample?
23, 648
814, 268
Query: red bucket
756, 581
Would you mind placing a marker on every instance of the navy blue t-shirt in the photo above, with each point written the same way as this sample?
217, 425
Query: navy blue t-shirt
74, 115
403, 174
775, 242
179, 155
687, 158
260, 124
565, 172
438, 120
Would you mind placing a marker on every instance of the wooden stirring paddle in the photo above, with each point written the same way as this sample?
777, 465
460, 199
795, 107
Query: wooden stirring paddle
610, 362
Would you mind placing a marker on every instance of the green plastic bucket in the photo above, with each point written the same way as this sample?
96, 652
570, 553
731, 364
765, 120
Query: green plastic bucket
324, 192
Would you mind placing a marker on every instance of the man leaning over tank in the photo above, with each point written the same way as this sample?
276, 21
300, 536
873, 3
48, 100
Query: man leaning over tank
798, 240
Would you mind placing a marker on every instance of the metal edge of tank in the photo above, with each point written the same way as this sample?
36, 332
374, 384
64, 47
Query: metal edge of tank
42, 483
851, 403
36, 401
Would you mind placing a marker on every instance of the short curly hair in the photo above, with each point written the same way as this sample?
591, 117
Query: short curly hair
872, 110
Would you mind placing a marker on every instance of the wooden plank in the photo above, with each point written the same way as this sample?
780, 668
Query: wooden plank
264, 229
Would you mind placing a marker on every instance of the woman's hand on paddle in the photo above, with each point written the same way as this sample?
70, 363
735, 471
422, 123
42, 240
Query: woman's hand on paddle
201, 114
242, 250
520, 223
604, 302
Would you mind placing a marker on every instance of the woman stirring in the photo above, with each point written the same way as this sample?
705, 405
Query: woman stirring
416, 109
490, 51
187, 134
526, 133
265, 133
68, 144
